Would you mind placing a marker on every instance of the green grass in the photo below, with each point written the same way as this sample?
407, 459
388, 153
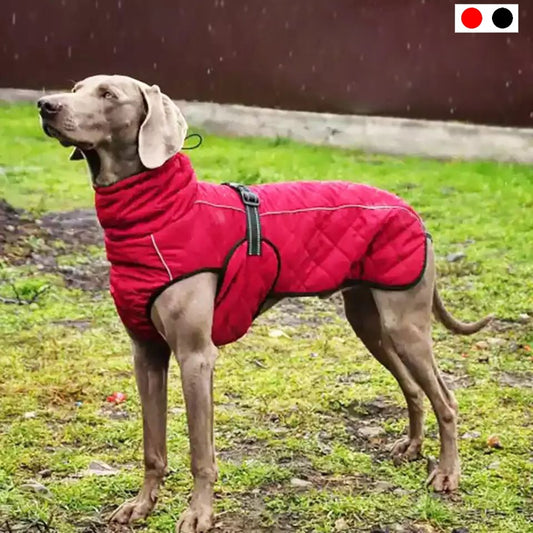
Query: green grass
286, 407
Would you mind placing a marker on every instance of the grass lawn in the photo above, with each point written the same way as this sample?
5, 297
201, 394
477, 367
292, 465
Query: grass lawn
293, 394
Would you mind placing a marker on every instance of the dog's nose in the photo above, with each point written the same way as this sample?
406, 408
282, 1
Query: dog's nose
48, 108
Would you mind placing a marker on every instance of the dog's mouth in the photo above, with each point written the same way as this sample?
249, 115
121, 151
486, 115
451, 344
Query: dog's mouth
64, 139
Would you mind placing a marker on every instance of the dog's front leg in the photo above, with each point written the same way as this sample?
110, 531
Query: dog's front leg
184, 316
197, 381
151, 370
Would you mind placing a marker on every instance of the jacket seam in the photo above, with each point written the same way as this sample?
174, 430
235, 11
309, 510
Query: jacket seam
161, 258
338, 207
203, 202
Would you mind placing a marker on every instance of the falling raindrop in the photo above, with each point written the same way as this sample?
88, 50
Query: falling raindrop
408, 107
154, 65
452, 110
507, 84
119, 4
15, 56
114, 50
408, 46
209, 71
519, 71
91, 35
313, 68
302, 87
450, 100
46, 38
209, 28
163, 39
290, 53
69, 52
280, 66
13, 18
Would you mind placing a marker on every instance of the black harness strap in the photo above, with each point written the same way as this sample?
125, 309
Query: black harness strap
253, 224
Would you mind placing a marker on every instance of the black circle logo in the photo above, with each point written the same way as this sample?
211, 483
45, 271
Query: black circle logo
502, 18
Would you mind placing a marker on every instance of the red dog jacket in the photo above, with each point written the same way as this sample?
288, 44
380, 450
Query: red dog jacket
163, 225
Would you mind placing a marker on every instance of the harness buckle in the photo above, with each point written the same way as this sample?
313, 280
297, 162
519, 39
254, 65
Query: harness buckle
249, 197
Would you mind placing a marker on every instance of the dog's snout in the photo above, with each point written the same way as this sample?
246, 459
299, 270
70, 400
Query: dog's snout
48, 108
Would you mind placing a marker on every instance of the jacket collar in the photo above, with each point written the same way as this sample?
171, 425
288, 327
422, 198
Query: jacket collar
146, 202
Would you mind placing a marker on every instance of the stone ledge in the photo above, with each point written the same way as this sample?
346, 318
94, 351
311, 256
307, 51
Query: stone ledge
387, 135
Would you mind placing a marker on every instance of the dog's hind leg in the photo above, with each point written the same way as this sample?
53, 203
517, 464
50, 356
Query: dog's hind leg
363, 316
406, 322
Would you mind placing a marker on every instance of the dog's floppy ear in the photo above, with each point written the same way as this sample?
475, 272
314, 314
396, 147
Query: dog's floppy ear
163, 131
76, 155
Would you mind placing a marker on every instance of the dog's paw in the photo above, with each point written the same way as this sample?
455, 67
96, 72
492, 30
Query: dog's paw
137, 509
197, 519
406, 449
444, 480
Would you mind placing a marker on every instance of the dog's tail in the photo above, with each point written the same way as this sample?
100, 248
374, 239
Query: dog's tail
451, 323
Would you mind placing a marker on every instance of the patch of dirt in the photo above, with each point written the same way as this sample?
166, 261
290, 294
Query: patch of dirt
80, 325
251, 517
456, 381
25, 240
15, 224
512, 326
75, 228
364, 424
516, 379
26, 526
379, 409
308, 312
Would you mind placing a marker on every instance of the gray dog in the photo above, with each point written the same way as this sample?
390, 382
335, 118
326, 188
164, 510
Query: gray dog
122, 127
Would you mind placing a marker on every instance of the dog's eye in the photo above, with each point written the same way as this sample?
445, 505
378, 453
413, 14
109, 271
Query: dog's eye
108, 95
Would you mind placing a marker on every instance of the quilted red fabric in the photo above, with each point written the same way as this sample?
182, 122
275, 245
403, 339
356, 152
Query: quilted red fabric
163, 225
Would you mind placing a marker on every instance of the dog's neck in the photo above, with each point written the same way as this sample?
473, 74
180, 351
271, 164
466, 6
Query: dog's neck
107, 166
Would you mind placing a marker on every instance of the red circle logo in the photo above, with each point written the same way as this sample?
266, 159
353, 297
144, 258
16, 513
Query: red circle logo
471, 18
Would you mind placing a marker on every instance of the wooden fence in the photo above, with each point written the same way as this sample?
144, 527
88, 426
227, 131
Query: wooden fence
376, 57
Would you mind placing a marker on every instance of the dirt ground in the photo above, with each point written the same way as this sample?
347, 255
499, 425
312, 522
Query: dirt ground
40, 241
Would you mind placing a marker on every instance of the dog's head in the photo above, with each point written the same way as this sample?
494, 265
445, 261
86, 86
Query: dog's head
116, 115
